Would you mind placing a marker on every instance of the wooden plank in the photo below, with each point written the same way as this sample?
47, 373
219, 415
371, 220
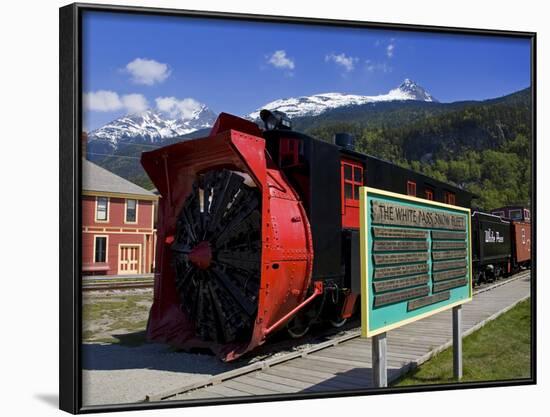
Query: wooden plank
250, 389
225, 391
288, 380
197, 394
341, 378
316, 364
357, 363
330, 380
277, 388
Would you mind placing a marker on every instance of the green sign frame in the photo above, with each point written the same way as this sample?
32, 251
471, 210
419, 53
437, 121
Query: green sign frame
416, 259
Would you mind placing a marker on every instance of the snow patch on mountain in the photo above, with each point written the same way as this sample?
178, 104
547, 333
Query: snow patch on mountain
152, 126
319, 103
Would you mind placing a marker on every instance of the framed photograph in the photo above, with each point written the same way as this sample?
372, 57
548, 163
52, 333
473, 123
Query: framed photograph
258, 208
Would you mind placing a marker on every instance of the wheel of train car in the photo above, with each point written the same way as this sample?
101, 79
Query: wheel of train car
217, 255
297, 327
337, 323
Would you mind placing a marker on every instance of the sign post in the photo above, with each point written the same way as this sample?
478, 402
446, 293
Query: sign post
415, 262
379, 360
457, 342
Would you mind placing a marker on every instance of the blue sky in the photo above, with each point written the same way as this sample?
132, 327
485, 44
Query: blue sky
132, 61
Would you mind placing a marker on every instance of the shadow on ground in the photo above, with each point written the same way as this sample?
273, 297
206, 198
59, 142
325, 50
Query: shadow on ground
356, 379
153, 356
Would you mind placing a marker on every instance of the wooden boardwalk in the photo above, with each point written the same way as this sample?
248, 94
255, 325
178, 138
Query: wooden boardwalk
348, 366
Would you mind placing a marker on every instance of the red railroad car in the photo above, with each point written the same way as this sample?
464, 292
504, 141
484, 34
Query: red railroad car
521, 244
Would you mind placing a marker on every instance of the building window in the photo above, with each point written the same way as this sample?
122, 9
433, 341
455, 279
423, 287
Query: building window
352, 180
429, 194
100, 249
450, 198
131, 211
515, 214
102, 209
411, 188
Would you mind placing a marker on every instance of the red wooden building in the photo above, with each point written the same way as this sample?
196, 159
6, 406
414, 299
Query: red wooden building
118, 224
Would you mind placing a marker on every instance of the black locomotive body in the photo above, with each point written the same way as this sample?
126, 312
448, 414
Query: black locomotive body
328, 175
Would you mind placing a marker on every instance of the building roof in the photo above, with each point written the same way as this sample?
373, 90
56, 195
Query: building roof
98, 180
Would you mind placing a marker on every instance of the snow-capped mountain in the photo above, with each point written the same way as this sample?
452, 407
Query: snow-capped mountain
151, 126
319, 103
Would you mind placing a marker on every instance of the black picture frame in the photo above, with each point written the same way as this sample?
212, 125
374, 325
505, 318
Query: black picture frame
70, 154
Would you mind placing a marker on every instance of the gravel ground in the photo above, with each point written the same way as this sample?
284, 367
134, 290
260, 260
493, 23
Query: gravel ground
116, 374
118, 365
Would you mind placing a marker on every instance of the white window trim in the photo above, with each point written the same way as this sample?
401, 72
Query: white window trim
108, 207
126, 210
106, 248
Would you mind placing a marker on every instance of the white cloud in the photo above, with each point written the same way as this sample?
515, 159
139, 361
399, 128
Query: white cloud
134, 103
110, 101
348, 62
185, 108
390, 49
147, 71
377, 66
279, 60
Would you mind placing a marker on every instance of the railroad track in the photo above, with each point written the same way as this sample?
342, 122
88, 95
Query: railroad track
109, 286
302, 352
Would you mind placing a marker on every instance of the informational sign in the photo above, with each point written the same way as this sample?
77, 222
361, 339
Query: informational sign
415, 259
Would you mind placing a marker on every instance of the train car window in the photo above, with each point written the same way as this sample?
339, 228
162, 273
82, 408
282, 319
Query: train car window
347, 171
352, 179
498, 213
429, 193
515, 214
348, 191
411, 188
450, 198
526, 214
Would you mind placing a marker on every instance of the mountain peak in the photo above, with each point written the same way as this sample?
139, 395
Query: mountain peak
413, 91
154, 125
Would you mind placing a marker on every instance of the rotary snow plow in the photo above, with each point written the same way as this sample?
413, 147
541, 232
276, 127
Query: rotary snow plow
234, 249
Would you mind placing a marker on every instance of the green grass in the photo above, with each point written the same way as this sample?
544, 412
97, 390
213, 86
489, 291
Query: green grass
116, 319
500, 350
